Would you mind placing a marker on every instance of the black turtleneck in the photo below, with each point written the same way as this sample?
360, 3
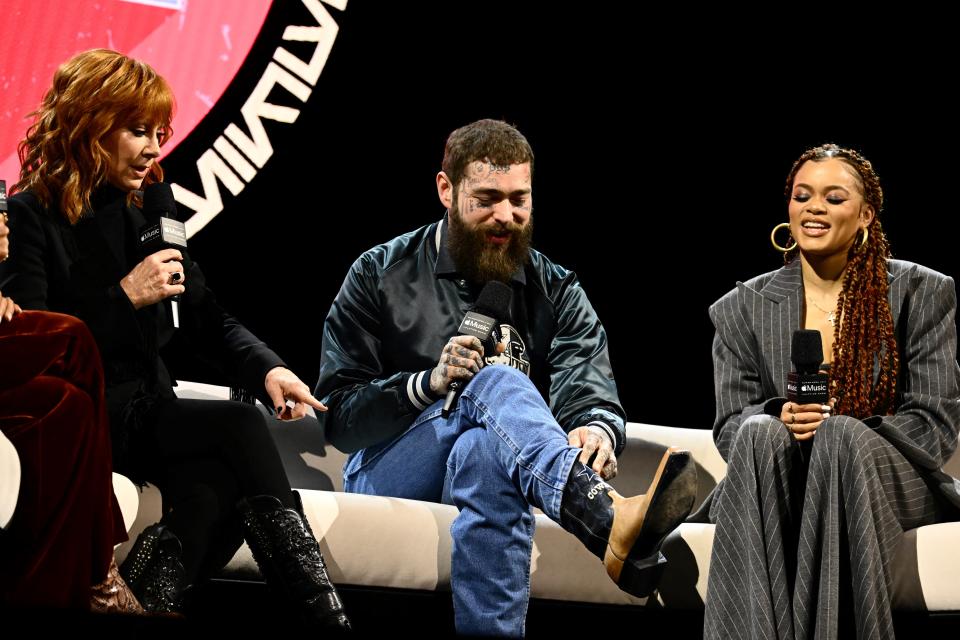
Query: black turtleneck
109, 209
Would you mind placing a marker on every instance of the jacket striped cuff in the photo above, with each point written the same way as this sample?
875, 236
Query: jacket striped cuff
609, 430
418, 390
612, 424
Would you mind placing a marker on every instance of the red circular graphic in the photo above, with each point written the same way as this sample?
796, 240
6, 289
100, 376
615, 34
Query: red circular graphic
198, 46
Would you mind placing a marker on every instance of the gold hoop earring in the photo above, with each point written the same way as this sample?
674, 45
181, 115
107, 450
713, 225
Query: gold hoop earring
773, 238
866, 234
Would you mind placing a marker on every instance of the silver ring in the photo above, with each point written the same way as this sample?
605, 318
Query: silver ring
175, 277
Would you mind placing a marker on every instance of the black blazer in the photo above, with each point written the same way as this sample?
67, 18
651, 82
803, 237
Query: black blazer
76, 269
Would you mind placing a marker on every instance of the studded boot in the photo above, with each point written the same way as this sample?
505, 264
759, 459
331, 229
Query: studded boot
290, 560
154, 570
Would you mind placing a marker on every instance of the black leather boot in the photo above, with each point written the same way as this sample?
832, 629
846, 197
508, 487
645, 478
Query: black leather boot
289, 559
626, 533
154, 570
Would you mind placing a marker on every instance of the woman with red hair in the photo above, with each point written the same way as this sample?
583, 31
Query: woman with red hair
76, 213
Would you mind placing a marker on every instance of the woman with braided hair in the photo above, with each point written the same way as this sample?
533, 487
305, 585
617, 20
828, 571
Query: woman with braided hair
817, 497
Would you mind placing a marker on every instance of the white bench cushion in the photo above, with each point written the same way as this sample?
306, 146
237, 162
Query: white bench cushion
390, 542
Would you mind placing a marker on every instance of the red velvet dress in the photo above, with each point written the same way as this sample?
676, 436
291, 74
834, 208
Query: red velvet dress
67, 519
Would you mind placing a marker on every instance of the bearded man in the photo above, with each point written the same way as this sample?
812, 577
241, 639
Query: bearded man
539, 422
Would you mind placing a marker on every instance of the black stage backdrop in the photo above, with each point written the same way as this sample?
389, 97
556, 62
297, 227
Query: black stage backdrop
661, 150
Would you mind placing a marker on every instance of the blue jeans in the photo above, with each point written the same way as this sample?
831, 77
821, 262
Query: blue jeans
499, 453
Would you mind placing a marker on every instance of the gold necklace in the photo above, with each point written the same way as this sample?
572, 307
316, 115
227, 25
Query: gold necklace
831, 315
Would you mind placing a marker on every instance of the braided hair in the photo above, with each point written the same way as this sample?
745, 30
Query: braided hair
866, 333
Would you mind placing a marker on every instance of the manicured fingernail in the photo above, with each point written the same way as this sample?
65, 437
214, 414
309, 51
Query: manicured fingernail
825, 407
826, 414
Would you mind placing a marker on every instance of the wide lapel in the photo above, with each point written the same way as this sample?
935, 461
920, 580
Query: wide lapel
136, 222
780, 309
95, 264
897, 295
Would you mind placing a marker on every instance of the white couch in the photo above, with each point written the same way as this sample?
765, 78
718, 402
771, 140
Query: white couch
391, 542
394, 543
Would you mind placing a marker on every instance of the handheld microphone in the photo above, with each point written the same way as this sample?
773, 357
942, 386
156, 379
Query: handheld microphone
807, 385
482, 322
162, 231
4, 281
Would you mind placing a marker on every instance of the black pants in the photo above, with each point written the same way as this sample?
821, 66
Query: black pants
204, 455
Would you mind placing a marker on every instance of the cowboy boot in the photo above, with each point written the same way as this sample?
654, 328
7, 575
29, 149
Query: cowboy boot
113, 595
290, 560
626, 533
154, 570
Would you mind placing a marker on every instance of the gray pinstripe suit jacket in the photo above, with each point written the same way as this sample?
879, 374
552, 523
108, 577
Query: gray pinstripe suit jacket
751, 358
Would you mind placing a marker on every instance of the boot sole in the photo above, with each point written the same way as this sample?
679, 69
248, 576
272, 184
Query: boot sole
632, 557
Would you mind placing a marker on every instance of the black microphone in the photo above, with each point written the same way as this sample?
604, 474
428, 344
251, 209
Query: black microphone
807, 385
162, 231
3, 211
483, 322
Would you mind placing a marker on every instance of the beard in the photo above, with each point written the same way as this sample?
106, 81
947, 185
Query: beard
482, 261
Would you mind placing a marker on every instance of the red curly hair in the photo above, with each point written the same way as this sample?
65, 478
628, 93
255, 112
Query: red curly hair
93, 94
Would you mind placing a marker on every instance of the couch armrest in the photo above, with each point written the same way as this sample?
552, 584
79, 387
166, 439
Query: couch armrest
201, 391
128, 497
9, 480
125, 490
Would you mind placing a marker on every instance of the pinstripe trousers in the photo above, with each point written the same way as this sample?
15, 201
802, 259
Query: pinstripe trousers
805, 530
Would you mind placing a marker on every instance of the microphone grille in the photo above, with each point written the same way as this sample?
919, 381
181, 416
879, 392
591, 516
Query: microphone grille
158, 201
494, 300
807, 350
